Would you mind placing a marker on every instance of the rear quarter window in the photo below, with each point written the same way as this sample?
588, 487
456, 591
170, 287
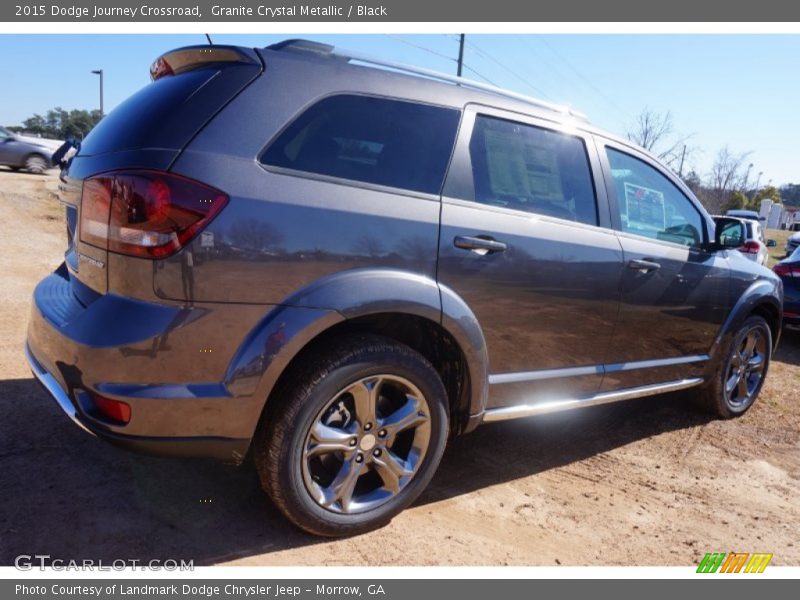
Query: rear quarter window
381, 141
144, 117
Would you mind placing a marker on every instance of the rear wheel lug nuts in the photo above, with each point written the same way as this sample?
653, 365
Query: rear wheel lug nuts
353, 442
359, 458
377, 452
368, 426
382, 433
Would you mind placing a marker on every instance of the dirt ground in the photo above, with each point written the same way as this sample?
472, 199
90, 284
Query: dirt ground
649, 482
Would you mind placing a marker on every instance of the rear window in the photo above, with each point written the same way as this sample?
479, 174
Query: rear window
167, 113
528, 168
142, 116
385, 142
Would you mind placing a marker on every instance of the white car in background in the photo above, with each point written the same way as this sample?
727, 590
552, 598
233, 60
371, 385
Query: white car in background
755, 245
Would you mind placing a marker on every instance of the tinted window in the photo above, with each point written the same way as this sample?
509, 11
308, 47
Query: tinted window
651, 205
531, 169
374, 140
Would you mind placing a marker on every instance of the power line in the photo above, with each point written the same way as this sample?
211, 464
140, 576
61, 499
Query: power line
439, 54
486, 79
582, 77
419, 47
487, 56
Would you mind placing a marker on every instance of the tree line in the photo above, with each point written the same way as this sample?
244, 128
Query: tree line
60, 124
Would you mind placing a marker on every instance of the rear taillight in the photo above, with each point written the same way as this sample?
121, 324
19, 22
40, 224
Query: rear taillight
750, 248
145, 213
787, 270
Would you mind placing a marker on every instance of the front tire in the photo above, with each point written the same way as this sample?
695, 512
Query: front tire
35, 164
734, 388
355, 436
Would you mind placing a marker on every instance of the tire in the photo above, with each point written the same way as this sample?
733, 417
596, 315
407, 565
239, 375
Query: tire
307, 445
36, 163
735, 386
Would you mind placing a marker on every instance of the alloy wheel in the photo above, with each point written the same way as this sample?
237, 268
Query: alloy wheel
366, 444
746, 369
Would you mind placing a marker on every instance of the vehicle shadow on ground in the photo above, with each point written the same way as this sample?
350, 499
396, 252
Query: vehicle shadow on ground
73, 496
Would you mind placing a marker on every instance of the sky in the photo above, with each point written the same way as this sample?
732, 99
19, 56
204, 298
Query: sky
736, 90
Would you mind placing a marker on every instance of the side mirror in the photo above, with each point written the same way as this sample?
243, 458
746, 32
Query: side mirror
771, 243
729, 233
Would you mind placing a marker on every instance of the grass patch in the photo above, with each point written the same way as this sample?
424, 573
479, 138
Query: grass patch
777, 253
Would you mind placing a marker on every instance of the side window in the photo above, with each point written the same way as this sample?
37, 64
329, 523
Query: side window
532, 169
374, 140
652, 206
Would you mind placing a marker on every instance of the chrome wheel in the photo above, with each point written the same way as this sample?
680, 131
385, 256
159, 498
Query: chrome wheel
746, 369
366, 444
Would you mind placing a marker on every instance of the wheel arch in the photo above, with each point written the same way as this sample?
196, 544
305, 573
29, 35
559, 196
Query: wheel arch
762, 298
406, 307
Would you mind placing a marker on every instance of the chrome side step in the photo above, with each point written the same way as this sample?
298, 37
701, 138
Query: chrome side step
528, 410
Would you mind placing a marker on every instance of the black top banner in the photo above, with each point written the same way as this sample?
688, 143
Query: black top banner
441, 11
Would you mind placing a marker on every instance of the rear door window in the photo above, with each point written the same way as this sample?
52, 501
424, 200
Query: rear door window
532, 169
385, 142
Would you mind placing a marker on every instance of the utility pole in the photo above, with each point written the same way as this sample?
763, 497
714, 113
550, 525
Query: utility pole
100, 73
460, 54
683, 156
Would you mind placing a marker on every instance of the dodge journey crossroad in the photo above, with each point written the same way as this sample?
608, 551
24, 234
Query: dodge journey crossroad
332, 264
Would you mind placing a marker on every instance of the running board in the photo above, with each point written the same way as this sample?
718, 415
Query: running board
528, 410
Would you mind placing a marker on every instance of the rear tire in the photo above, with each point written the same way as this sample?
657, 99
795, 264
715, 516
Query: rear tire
354, 436
735, 386
36, 164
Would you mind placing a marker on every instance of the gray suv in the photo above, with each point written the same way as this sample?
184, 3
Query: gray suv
332, 264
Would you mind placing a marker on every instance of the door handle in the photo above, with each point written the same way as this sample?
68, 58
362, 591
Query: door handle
643, 265
479, 245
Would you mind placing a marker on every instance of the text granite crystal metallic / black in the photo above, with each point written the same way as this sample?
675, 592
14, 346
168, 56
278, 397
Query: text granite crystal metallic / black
334, 266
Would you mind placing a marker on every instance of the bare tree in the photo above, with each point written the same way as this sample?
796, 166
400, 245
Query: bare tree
655, 133
729, 173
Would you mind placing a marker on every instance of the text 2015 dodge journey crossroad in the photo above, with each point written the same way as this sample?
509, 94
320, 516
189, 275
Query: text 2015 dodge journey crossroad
335, 266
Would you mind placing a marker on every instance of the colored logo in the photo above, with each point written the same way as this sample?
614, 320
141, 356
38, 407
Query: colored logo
735, 562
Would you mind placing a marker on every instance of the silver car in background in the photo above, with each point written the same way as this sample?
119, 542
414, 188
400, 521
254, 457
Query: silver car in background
25, 152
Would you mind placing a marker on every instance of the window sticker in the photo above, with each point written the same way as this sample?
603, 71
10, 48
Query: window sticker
644, 207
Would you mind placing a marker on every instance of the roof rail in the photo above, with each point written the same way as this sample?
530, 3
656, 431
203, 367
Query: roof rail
327, 50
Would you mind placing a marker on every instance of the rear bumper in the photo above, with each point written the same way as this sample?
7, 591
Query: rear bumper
222, 449
131, 351
55, 390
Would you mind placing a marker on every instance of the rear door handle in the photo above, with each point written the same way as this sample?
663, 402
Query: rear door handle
643, 265
479, 245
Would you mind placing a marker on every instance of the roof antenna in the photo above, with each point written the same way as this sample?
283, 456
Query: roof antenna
208, 37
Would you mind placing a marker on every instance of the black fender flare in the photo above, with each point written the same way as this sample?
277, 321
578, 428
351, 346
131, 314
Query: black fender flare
759, 293
290, 326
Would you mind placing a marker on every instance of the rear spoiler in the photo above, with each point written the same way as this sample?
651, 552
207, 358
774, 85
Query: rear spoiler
195, 57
